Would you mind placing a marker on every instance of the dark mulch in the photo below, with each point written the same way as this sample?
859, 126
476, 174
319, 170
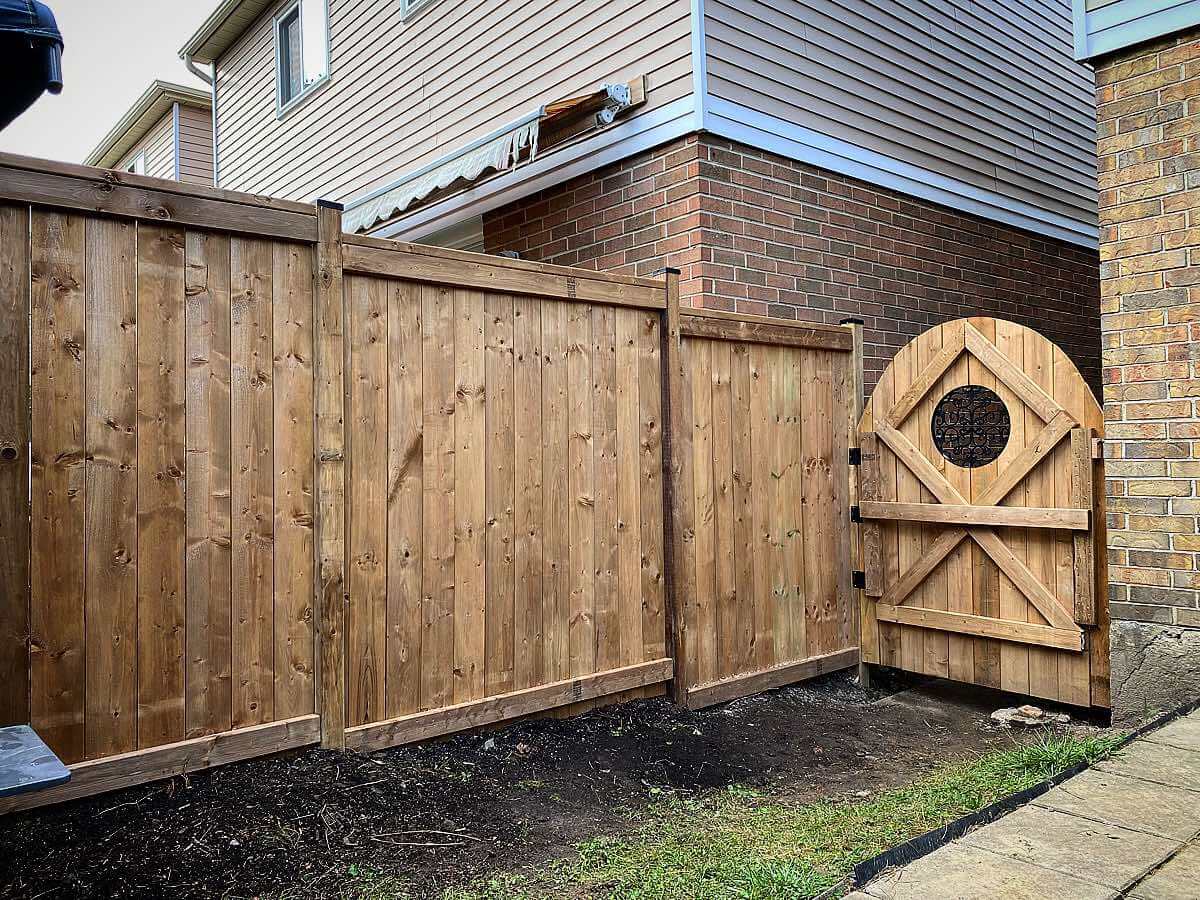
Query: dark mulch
310, 824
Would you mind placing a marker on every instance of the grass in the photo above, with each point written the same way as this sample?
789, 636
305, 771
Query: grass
738, 845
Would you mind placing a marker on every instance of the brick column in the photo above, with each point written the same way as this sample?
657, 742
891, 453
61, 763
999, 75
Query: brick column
1148, 108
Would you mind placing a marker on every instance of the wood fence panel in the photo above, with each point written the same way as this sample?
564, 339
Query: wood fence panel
520, 551
172, 464
764, 573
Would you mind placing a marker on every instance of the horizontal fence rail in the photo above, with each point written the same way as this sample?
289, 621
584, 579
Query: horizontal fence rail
264, 484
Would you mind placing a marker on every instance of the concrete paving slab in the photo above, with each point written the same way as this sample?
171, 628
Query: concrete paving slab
1178, 879
958, 872
1128, 802
1157, 762
1183, 733
1104, 854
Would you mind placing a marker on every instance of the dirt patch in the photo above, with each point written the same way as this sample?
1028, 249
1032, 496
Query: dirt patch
443, 814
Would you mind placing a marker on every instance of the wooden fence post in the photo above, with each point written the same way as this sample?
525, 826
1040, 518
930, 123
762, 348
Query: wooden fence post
14, 465
332, 519
854, 411
675, 492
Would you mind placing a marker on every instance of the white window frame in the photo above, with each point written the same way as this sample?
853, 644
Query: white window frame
407, 7
138, 166
282, 108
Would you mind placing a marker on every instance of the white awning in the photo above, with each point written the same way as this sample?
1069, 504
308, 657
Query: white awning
497, 151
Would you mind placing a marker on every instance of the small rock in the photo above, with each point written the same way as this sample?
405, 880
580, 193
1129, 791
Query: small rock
862, 793
489, 744
1028, 716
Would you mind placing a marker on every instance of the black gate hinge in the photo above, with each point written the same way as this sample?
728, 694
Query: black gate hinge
858, 579
855, 515
856, 456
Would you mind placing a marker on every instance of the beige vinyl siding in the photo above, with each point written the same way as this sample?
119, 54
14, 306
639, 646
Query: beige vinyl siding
195, 145
159, 147
401, 93
986, 93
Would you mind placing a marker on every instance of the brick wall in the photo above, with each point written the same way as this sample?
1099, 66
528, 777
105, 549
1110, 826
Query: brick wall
758, 233
1148, 103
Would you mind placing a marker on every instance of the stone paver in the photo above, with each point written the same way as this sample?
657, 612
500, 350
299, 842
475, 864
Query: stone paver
1127, 827
1178, 879
1183, 733
1163, 763
958, 872
1128, 802
1107, 854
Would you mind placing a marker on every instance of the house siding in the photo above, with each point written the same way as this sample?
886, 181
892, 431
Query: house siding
983, 93
760, 234
195, 145
402, 92
159, 147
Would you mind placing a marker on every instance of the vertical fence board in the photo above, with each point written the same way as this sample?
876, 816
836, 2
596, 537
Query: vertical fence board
110, 540
57, 583
252, 480
500, 456
330, 426
604, 448
437, 361
209, 633
469, 497
14, 465
292, 441
629, 487
367, 310
161, 466
725, 581
556, 578
740, 657
653, 549
581, 495
404, 500
528, 657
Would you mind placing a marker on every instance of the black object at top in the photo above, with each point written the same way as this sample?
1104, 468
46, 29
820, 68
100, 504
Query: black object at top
31, 19
30, 56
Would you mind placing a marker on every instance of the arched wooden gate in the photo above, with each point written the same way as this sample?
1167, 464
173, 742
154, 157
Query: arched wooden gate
983, 515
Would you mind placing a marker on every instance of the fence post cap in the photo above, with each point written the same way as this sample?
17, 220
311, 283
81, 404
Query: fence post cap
850, 320
332, 204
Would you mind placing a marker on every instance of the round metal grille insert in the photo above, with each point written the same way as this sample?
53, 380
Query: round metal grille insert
971, 426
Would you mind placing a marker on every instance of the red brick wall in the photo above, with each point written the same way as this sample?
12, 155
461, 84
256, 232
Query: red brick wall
759, 233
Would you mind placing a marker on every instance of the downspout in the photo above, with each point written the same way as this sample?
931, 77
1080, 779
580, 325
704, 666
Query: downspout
209, 78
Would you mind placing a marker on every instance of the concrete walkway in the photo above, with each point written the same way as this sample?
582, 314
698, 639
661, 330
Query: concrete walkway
1127, 827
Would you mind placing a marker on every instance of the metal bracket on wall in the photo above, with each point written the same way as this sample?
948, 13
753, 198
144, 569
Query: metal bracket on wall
855, 456
858, 579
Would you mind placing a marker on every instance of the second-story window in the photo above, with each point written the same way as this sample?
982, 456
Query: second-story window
138, 166
302, 49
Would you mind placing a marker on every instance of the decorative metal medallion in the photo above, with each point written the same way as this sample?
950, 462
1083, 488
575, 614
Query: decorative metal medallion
971, 426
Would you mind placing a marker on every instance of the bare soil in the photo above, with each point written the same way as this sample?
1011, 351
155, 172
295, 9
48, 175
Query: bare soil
308, 824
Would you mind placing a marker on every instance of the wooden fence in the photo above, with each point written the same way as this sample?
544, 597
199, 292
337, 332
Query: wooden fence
762, 504
263, 484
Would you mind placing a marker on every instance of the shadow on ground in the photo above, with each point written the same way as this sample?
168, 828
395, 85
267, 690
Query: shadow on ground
444, 814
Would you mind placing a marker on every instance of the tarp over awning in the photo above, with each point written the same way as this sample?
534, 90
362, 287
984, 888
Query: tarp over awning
499, 151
